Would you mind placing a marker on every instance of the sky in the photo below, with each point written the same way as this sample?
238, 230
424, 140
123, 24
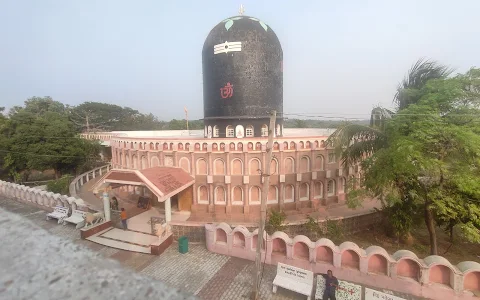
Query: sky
341, 58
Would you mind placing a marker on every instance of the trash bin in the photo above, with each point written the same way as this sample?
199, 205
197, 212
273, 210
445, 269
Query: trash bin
183, 244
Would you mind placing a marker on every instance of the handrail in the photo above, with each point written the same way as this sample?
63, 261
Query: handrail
78, 182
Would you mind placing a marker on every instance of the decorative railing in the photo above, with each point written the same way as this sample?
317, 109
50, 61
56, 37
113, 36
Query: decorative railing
39, 197
81, 179
433, 277
99, 136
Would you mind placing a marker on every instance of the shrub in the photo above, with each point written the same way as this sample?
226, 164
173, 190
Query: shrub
60, 186
275, 221
334, 230
312, 228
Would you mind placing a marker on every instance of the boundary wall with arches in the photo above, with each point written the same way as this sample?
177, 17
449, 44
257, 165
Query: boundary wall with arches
433, 277
44, 199
228, 172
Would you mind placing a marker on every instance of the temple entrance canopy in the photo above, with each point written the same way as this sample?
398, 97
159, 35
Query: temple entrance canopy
165, 183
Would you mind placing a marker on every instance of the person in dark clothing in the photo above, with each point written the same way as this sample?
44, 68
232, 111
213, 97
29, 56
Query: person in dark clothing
123, 216
331, 285
114, 203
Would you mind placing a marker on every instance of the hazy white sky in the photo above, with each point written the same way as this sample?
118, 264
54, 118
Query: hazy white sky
340, 57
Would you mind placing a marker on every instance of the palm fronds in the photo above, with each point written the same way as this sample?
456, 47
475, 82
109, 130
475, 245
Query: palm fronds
421, 72
355, 142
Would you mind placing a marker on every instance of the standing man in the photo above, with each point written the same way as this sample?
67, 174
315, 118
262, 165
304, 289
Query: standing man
123, 216
331, 285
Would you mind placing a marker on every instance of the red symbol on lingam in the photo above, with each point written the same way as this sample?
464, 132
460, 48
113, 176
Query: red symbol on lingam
226, 91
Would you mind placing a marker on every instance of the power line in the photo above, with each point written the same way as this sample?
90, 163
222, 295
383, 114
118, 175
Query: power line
50, 137
369, 115
47, 155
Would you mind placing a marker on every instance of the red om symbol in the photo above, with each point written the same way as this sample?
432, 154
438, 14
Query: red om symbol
226, 91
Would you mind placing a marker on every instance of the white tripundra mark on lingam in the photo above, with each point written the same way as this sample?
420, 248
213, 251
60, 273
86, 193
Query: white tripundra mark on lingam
227, 47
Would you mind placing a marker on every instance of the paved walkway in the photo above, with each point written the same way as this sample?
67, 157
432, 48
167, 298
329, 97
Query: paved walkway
199, 272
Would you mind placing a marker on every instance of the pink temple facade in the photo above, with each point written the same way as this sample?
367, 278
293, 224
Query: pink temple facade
305, 174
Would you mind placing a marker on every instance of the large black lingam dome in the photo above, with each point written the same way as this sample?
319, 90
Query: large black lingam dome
242, 78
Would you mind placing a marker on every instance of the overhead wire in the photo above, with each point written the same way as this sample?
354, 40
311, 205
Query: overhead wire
47, 155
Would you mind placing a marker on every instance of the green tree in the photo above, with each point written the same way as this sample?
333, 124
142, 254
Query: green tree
41, 137
39, 106
299, 123
355, 141
430, 158
96, 116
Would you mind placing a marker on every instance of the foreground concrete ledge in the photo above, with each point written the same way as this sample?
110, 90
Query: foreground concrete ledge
38, 265
88, 232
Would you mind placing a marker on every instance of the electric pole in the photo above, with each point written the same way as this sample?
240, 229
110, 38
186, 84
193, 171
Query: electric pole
263, 207
186, 115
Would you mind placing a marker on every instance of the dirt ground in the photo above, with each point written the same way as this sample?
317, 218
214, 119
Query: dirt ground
457, 252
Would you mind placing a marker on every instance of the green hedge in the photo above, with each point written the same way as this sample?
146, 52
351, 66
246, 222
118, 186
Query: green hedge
60, 186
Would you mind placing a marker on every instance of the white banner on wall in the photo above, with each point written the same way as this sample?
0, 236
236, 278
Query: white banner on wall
376, 295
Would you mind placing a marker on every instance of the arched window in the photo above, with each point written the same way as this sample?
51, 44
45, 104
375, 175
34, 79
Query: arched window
342, 185
289, 165
304, 191
255, 195
318, 190
230, 131
218, 167
264, 130
216, 131
331, 188
155, 162
239, 131
304, 164
134, 162
272, 194
237, 167
278, 130
237, 196
202, 167
209, 131
255, 167
202, 195
249, 131
144, 162
319, 162
185, 164
274, 167
220, 197
289, 193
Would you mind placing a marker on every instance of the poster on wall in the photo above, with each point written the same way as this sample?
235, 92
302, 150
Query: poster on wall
377, 295
345, 291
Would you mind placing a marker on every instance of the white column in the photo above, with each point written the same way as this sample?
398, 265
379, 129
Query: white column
106, 206
168, 211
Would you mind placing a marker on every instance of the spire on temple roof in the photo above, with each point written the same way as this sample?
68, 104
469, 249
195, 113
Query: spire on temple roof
241, 11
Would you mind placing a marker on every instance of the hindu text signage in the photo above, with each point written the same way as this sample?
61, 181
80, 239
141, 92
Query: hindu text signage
376, 295
294, 273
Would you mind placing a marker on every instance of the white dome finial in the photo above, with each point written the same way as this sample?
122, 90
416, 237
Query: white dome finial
241, 11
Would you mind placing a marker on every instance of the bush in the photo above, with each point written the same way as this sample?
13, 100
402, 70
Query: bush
275, 221
334, 230
312, 228
60, 186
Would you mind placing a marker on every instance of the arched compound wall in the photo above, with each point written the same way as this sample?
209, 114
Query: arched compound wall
42, 198
403, 272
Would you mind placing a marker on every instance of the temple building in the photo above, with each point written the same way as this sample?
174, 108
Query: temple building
242, 84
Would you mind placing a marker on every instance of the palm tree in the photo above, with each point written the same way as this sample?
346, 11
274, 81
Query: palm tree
409, 90
355, 141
